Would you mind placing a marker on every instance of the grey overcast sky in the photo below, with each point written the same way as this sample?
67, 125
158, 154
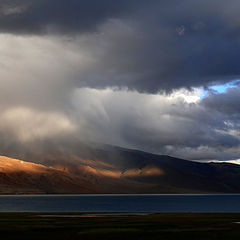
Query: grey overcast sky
145, 74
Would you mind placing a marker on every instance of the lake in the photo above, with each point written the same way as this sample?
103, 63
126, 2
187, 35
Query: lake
122, 203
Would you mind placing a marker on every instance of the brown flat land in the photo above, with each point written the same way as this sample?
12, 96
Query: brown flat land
93, 226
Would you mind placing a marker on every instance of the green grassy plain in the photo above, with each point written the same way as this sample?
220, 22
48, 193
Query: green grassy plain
153, 226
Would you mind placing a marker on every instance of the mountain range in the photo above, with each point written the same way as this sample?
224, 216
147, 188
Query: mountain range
109, 169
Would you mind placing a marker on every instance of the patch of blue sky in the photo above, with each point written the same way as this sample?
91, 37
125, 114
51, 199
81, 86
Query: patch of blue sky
220, 88
204, 94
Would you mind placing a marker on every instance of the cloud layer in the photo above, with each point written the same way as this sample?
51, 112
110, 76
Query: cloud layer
122, 72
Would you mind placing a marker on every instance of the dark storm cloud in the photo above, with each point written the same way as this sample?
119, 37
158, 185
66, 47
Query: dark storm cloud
181, 45
39, 16
152, 46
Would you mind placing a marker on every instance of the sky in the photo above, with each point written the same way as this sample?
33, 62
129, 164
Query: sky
159, 76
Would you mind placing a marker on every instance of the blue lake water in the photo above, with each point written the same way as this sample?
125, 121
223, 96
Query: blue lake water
122, 203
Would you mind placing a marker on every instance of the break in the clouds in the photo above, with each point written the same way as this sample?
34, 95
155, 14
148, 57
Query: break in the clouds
130, 73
